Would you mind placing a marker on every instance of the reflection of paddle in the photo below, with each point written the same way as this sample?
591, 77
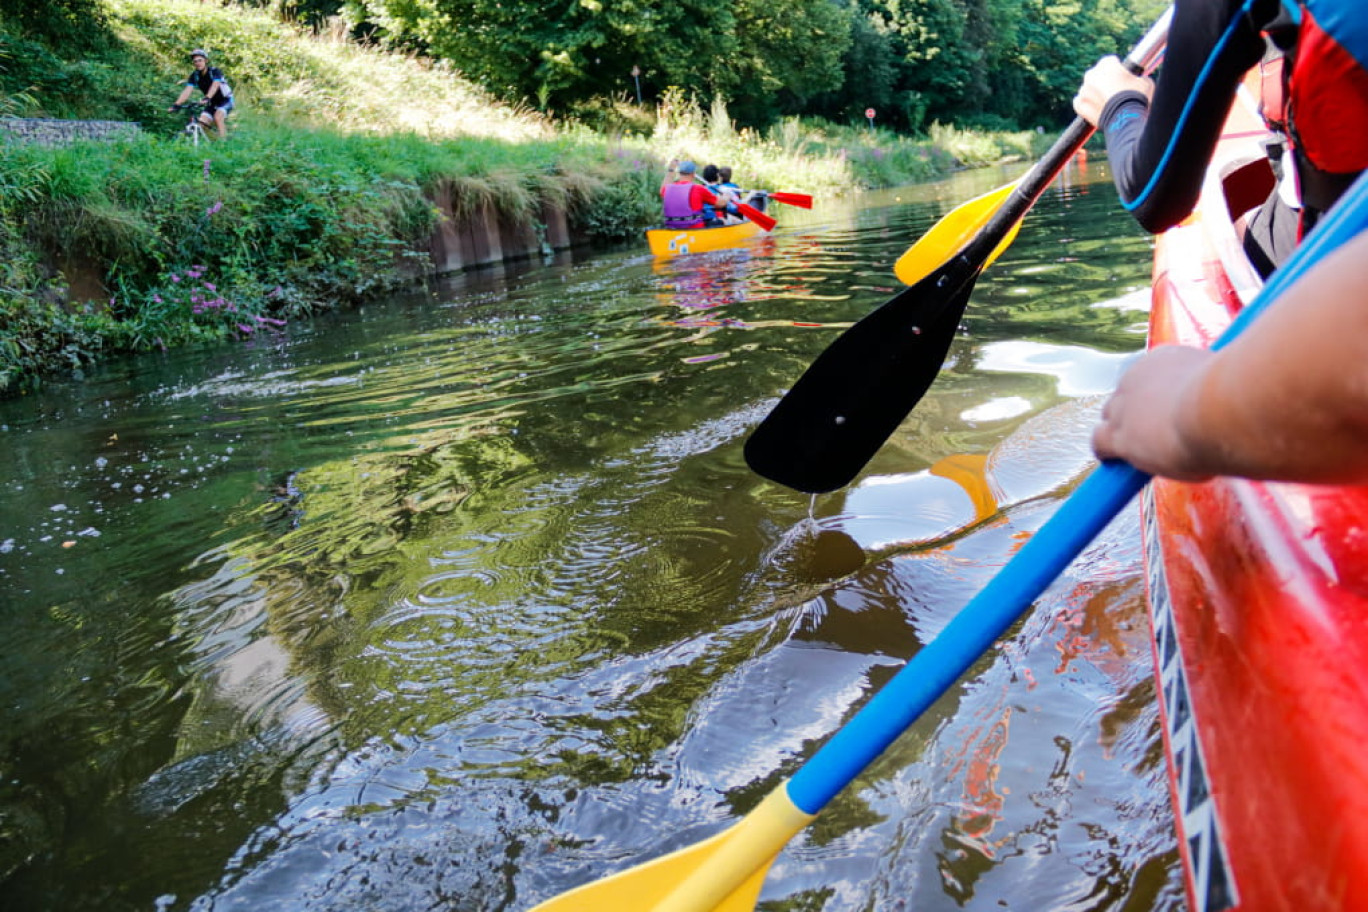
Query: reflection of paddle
725, 873
857, 392
968, 470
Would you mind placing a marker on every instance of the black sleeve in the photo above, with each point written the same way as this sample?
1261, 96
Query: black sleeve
1159, 151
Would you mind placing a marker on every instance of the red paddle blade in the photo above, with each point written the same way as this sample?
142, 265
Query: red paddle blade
755, 215
801, 200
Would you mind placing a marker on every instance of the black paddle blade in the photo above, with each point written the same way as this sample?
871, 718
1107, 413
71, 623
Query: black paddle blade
854, 396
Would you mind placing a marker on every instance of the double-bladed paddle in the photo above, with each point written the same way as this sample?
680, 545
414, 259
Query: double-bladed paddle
853, 397
801, 200
755, 215
725, 873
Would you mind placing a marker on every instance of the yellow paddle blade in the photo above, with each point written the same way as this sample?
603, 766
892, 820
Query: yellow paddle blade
721, 874
955, 229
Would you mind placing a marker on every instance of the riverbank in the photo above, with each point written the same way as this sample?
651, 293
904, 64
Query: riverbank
328, 191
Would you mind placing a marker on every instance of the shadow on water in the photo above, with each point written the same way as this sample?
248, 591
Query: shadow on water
458, 601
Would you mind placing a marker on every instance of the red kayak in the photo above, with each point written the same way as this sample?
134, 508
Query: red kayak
1259, 598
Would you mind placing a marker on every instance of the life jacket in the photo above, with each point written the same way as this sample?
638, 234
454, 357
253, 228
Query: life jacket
677, 212
709, 210
1327, 96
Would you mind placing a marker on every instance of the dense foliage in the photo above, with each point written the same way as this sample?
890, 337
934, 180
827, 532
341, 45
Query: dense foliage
1002, 64
996, 62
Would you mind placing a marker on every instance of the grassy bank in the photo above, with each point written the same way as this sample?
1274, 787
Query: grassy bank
320, 198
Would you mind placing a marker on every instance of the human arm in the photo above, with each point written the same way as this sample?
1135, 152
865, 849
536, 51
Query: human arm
1287, 400
1159, 145
184, 97
671, 175
1104, 81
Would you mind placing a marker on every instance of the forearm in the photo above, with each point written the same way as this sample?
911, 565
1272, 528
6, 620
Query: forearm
1287, 400
1158, 169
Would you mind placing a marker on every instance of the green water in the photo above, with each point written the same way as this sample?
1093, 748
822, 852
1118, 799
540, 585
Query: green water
464, 599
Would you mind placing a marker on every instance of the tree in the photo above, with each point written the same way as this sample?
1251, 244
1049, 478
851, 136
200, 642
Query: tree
790, 52
995, 62
869, 69
73, 24
763, 52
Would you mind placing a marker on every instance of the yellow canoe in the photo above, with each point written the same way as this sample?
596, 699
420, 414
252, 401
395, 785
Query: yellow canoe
673, 241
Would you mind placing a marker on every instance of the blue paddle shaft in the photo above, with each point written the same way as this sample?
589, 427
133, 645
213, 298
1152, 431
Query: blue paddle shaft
940, 663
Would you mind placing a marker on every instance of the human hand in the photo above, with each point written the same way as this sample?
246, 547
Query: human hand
1147, 421
1106, 78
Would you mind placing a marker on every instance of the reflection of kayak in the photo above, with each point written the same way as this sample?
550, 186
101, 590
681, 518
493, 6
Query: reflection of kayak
1259, 596
672, 241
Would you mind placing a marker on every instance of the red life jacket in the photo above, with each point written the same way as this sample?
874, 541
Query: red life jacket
1327, 97
1328, 85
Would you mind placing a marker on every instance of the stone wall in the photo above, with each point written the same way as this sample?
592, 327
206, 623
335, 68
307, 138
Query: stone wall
478, 239
483, 237
53, 132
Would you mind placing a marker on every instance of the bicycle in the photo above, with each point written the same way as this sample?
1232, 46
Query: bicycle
194, 131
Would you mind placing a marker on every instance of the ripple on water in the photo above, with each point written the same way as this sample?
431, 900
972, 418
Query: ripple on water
461, 601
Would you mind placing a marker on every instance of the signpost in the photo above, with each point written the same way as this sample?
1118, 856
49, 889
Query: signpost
636, 77
869, 113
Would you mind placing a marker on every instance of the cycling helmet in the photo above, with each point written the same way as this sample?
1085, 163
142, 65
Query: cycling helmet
199, 52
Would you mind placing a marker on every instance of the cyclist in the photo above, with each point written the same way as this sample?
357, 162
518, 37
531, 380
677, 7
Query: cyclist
218, 96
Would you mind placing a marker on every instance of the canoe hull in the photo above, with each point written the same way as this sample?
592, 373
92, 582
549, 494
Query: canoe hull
1259, 599
667, 242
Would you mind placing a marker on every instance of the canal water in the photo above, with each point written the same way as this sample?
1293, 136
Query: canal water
460, 600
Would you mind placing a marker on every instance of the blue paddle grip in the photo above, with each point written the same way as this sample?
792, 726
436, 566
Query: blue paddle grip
972, 632
940, 663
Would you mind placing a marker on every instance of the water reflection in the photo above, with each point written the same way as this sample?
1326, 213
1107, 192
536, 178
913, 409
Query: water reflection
462, 600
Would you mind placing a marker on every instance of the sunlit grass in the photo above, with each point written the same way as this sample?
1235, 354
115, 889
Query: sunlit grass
291, 75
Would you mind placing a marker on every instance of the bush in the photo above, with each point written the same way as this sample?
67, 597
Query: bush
78, 25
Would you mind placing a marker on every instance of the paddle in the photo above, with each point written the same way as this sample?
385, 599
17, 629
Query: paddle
856, 393
755, 215
801, 200
725, 873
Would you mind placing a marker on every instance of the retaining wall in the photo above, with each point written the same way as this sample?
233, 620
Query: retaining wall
53, 132
483, 237
478, 239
